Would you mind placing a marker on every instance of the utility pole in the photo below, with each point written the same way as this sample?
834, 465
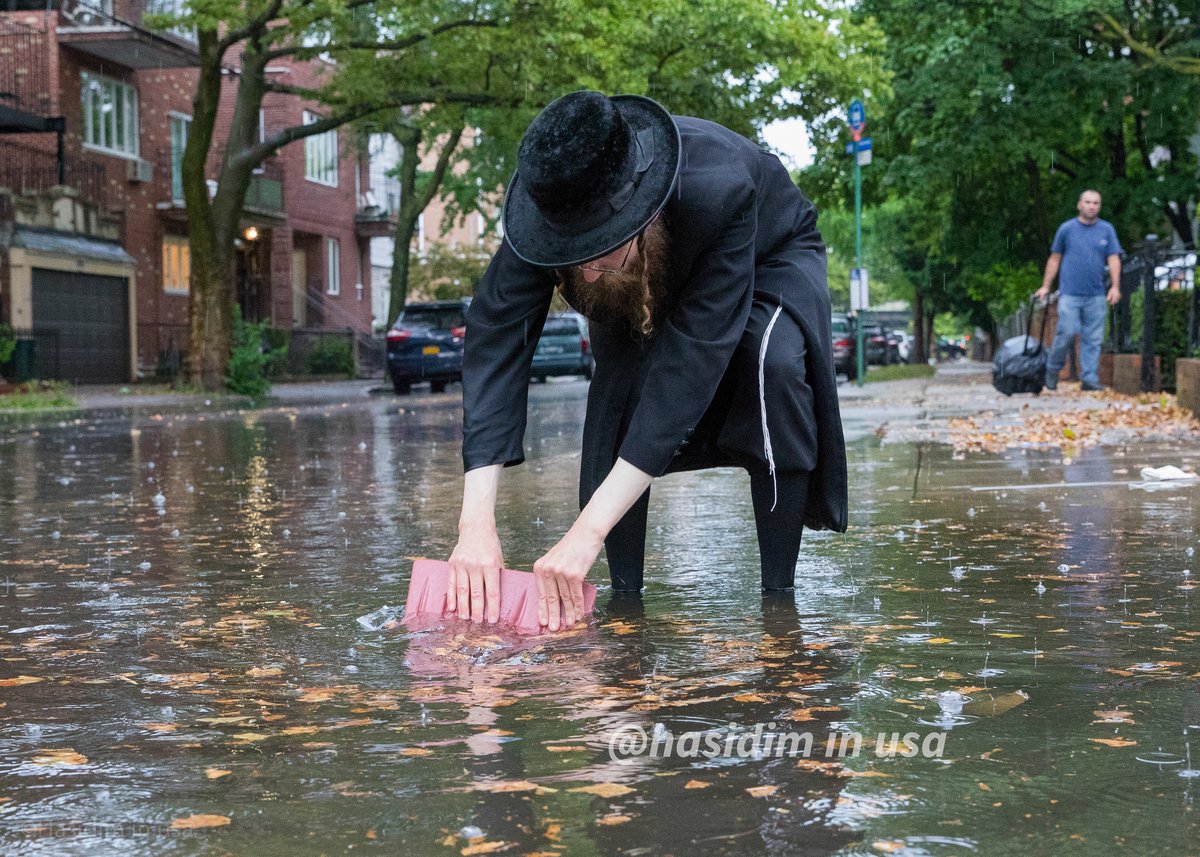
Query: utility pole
860, 149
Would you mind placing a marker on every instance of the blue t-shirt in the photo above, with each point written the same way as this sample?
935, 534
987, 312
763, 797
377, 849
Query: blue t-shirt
1085, 250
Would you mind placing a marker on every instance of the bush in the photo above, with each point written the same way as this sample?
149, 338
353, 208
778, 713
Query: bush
8, 343
248, 361
38, 396
332, 357
1171, 309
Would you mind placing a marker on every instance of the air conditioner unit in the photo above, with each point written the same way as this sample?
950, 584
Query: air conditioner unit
139, 171
85, 14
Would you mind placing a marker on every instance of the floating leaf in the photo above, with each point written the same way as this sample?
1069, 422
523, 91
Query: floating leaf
160, 727
216, 773
610, 820
21, 679
196, 822
989, 704
65, 757
696, 784
762, 791
483, 848
603, 789
1115, 742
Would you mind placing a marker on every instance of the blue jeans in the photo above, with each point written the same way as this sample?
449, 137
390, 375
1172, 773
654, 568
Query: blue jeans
1078, 315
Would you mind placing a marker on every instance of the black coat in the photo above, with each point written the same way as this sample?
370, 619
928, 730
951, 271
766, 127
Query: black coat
740, 232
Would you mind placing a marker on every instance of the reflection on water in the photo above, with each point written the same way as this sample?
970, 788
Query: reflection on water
183, 669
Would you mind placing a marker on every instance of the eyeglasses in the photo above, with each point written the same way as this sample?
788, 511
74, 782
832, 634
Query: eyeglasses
592, 267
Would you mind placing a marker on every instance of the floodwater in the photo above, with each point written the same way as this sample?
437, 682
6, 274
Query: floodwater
992, 661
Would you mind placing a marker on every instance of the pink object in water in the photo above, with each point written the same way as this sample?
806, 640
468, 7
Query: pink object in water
426, 605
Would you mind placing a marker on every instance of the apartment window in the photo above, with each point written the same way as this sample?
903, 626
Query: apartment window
333, 258
110, 114
320, 155
176, 264
179, 134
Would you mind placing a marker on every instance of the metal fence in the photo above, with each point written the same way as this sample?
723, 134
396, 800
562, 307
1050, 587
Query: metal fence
25, 83
1136, 321
166, 345
33, 168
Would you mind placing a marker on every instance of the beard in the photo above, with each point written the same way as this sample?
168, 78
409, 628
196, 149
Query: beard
634, 298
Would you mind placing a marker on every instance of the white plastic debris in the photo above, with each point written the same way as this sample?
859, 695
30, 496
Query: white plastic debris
377, 619
1166, 473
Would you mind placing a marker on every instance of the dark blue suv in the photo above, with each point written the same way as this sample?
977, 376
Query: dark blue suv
563, 348
426, 344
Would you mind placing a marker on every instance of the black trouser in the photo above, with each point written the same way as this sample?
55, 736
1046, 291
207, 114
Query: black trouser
779, 532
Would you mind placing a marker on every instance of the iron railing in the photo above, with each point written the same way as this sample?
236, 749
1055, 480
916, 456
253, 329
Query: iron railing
25, 168
25, 83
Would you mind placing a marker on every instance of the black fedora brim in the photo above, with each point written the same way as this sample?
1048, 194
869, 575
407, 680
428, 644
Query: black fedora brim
535, 241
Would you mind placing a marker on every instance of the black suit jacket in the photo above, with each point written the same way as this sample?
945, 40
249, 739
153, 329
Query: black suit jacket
740, 230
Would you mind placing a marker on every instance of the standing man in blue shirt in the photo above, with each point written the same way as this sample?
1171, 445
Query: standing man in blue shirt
1082, 247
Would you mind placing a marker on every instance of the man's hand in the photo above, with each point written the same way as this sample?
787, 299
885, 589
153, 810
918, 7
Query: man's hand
1042, 293
475, 576
476, 562
1114, 295
560, 574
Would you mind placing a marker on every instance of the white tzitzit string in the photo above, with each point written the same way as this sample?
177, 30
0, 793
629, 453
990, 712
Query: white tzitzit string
762, 406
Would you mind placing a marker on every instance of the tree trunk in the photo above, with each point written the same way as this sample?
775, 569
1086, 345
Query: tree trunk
213, 226
920, 352
1041, 223
412, 203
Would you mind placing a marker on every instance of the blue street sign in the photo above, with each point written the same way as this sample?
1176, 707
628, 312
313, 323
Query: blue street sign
858, 115
863, 145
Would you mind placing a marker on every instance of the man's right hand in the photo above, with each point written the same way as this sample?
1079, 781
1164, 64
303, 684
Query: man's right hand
474, 584
1042, 293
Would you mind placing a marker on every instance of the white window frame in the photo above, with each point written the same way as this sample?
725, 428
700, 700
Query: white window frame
321, 155
177, 265
100, 131
183, 121
333, 266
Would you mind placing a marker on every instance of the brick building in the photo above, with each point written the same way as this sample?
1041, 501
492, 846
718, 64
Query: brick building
94, 261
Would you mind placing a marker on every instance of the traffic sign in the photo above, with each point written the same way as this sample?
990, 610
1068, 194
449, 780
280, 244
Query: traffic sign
863, 145
859, 289
858, 115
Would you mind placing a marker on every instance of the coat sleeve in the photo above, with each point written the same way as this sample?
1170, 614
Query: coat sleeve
696, 341
504, 323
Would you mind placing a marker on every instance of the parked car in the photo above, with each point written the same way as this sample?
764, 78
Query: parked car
563, 348
880, 350
897, 346
949, 349
845, 347
426, 344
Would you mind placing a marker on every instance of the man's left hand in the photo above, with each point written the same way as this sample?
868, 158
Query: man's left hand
1114, 295
560, 575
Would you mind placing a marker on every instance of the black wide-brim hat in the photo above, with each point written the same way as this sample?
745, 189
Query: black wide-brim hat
592, 172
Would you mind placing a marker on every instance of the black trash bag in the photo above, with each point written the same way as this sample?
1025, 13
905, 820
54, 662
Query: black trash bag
1020, 366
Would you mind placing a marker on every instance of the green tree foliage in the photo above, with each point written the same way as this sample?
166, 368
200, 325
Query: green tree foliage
742, 63
998, 116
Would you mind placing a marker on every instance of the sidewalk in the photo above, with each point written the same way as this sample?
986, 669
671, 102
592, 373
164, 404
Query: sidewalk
99, 398
959, 406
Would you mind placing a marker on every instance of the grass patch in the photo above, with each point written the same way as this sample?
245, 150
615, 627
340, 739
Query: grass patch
900, 372
39, 396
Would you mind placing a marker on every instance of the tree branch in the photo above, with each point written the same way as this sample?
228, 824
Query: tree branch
402, 44
254, 25
255, 155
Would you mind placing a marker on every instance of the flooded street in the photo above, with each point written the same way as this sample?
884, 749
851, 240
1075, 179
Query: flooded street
1004, 648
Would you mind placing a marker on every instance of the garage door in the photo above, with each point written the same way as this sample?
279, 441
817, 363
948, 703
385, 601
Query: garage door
81, 325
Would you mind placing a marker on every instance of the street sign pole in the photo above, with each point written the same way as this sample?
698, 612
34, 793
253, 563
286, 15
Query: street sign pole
858, 119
